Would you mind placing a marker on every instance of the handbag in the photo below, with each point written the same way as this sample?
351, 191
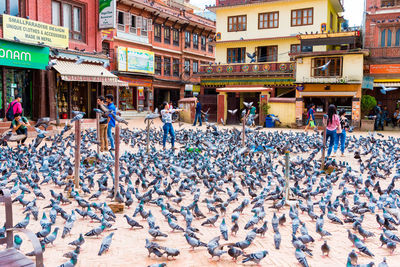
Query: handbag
312, 123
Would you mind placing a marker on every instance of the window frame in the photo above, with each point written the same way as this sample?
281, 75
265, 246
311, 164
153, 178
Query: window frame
389, 38
317, 73
188, 39
82, 18
383, 38
195, 39
157, 28
167, 37
167, 66
157, 65
302, 17
175, 33
229, 55
133, 19
175, 67
298, 49
267, 15
187, 71
397, 38
237, 24
203, 45
195, 63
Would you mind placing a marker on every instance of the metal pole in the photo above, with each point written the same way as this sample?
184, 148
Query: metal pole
77, 151
116, 159
244, 130
287, 171
324, 122
148, 137
57, 111
98, 132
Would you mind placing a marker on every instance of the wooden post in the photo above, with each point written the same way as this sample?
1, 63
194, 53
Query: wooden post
77, 151
148, 137
98, 132
117, 99
324, 122
116, 159
4, 89
287, 172
244, 130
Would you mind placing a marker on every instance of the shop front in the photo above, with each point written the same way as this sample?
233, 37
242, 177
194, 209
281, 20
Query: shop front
22, 68
138, 95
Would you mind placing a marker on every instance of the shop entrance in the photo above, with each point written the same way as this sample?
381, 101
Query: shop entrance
161, 95
322, 104
128, 98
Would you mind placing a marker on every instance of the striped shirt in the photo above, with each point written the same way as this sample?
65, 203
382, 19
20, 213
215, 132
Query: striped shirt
167, 115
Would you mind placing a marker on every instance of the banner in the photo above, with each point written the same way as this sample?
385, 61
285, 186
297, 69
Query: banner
122, 63
384, 69
140, 61
30, 31
23, 56
107, 14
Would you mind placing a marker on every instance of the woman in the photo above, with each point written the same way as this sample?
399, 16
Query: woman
103, 121
310, 117
333, 127
166, 117
344, 124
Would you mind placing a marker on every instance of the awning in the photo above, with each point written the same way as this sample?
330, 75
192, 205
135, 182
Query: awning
387, 84
244, 89
328, 93
70, 71
116, 83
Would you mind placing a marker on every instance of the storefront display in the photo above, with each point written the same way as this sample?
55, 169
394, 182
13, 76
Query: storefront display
19, 82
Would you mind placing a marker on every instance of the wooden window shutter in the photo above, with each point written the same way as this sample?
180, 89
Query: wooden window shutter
149, 25
138, 22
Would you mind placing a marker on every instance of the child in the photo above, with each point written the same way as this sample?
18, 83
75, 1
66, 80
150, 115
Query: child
344, 123
310, 117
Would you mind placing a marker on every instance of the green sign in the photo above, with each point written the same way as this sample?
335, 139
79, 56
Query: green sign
23, 56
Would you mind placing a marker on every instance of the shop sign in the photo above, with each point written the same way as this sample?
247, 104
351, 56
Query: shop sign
107, 35
196, 88
140, 61
107, 13
23, 56
326, 80
300, 88
140, 93
368, 83
30, 31
189, 87
122, 64
384, 69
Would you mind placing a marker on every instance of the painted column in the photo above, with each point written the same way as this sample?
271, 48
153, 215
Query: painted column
299, 109
222, 107
264, 99
356, 108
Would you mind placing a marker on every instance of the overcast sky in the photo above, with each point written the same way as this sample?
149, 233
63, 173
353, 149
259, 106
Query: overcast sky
354, 9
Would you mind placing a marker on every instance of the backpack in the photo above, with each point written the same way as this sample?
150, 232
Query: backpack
10, 112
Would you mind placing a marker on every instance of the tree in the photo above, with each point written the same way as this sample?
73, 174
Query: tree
367, 104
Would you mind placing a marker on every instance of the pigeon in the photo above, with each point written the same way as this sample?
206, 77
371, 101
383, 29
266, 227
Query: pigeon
105, 244
254, 257
325, 249
301, 258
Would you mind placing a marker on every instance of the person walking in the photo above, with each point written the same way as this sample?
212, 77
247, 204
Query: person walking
310, 117
111, 119
344, 124
166, 117
103, 122
14, 108
332, 129
20, 126
197, 115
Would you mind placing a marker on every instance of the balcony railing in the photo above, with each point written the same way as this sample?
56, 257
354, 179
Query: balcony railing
265, 68
385, 52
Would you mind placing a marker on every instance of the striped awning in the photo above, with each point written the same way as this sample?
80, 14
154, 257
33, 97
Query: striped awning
387, 84
116, 83
244, 89
85, 72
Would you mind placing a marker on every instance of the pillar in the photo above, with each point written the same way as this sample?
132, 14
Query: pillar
51, 81
42, 94
4, 91
299, 109
222, 107
264, 99
356, 108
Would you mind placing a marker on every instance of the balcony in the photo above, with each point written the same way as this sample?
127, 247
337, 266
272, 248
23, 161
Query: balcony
385, 52
270, 69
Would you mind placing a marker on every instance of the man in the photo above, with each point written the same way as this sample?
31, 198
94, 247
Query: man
14, 108
104, 120
111, 119
385, 116
197, 115
20, 126
396, 117
166, 117
379, 116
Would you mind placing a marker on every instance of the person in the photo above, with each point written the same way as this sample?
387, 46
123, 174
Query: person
104, 120
310, 117
197, 115
252, 112
111, 119
14, 108
385, 116
396, 117
344, 124
332, 128
20, 126
166, 117
379, 117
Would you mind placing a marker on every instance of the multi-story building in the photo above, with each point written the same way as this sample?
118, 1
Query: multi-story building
253, 42
382, 38
63, 31
157, 48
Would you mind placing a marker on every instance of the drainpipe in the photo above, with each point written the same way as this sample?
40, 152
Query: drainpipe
363, 24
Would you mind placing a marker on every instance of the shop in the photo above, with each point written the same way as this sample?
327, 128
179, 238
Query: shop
137, 95
21, 75
77, 92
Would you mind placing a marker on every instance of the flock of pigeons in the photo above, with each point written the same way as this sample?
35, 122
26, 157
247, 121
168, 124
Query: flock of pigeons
240, 190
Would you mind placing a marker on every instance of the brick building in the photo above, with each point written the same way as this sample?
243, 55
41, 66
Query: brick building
382, 38
171, 42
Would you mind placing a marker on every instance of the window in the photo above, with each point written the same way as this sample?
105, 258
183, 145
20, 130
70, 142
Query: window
175, 37
157, 67
195, 41
146, 26
167, 66
383, 38
14, 6
120, 21
236, 55
397, 43
390, 3
302, 17
167, 35
68, 15
267, 53
132, 27
157, 32
268, 20
389, 38
237, 23
195, 66
331, 20
175, 67
295, 48
187, 67
333, 69
210, 48
203, 43
187, 39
